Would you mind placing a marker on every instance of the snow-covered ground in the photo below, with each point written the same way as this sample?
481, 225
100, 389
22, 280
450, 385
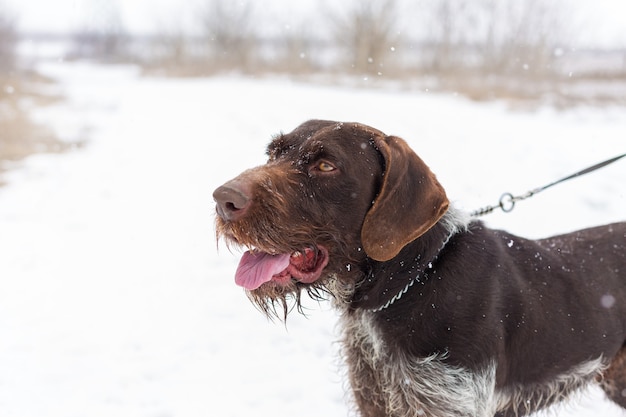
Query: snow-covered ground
114, 300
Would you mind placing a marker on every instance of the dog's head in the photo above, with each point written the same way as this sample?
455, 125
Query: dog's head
331, 198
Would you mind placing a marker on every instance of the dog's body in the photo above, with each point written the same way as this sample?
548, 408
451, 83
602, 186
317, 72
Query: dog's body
442, 316
498, 323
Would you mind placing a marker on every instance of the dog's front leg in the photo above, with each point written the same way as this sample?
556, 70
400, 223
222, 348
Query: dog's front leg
368, 395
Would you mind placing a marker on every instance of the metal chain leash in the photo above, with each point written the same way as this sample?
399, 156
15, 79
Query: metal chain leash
507, 200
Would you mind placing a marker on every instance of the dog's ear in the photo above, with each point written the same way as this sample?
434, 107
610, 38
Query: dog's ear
410, 201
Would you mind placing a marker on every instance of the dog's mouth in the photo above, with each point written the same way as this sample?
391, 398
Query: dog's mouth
257, 268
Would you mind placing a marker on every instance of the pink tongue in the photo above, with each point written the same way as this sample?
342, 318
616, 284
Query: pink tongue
257, 269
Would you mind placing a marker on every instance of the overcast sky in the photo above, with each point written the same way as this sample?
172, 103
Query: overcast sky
605, 20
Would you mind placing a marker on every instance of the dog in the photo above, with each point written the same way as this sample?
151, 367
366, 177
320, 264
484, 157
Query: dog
441, 315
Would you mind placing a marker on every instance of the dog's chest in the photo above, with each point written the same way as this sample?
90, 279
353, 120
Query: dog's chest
401, 384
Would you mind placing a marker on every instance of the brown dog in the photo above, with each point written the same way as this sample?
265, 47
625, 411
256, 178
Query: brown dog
441, 316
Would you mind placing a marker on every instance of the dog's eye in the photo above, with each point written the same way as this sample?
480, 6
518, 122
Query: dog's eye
324, 166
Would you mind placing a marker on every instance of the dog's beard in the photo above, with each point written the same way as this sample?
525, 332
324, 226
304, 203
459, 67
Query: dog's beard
278, 300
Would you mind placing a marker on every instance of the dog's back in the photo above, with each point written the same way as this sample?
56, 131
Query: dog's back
562, 306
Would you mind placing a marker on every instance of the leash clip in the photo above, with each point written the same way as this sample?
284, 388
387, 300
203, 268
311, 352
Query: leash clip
507, 202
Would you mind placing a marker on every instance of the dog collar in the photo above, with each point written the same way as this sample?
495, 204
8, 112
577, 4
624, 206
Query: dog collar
415, 279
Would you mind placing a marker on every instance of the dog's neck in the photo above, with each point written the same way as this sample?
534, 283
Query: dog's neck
409, 267
418, 276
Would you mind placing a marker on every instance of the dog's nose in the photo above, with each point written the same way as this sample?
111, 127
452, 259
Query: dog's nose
233, 200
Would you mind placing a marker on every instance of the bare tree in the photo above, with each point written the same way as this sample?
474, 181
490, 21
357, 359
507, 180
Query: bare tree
494, 38
367, 33
102, 35
295, 50
8, 40
228, 27
451, 28
171, 47
521, 37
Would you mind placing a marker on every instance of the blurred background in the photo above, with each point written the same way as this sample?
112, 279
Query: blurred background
119, 118
562, 52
